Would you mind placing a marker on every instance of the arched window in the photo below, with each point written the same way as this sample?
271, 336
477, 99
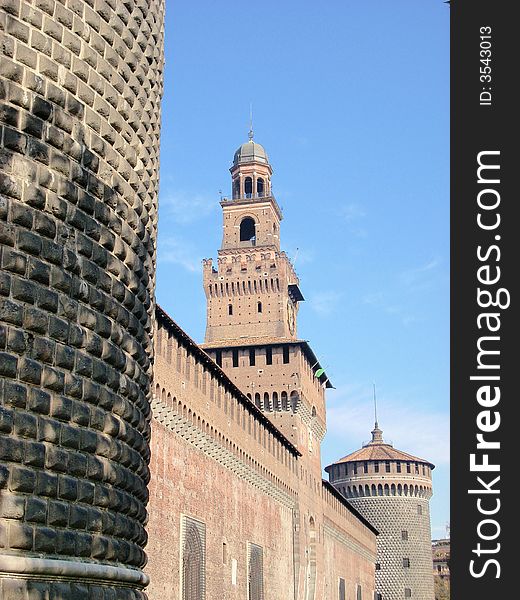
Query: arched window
266, 402
247, 230
257, 400
284, 401
193, 559
236, 188
255, 575
260, 186
248, 187
259, 306
294, 401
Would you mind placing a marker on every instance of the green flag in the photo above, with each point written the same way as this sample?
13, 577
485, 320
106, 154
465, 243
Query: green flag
319, 373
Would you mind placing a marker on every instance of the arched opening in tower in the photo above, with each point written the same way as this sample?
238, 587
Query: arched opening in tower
260, 186
248, 187
248, 230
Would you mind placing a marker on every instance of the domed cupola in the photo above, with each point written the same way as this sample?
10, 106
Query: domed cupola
251, 171
250, 152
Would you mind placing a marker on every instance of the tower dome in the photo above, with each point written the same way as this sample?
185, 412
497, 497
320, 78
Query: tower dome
250, 152
392, 489
251, 171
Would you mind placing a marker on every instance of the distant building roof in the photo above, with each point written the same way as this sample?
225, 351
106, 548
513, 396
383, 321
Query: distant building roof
378, 449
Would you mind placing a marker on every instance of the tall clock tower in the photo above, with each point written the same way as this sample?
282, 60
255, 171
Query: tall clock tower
253, 296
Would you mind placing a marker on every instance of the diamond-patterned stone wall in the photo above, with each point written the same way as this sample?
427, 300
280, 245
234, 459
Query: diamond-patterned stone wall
393, 516
80, 91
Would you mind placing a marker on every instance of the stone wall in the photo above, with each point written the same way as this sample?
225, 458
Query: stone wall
80, 90
392, 516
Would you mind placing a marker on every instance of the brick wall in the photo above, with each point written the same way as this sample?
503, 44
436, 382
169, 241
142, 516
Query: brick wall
218, 459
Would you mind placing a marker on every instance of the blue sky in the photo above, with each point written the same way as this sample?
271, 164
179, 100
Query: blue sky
351, 102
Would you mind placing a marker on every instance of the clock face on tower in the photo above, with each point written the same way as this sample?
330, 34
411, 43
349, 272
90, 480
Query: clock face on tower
291, 320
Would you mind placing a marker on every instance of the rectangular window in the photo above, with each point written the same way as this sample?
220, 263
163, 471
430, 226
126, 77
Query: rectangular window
387, 466
268, 356
218, 357
378, 566
404, 534
419, 509
255, 572
398, 467
365, 467
285, 355
252, 357
355, 468
408, 468
417, 469
230, 309
376, 467
341, 590
407, 593
235, 358
406, 562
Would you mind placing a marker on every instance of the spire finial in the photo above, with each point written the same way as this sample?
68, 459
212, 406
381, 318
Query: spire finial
251, 132
377, 434
375, 406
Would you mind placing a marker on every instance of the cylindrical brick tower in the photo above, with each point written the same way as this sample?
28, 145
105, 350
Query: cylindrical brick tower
80, 90
392, 489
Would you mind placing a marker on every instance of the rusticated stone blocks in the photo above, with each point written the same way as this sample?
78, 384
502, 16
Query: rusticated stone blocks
80, 90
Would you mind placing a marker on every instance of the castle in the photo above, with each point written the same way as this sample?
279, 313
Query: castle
119, 432
238, 507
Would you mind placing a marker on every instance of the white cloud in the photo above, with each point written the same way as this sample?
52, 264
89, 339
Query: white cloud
184, 208
324, 303
175, 251
413, 428
351, 212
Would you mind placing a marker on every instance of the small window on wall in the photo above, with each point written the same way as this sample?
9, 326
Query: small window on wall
252, 357
365, 467
406, 562
359, 594
407, 593
404, 535
285, 355
354, 468
235, 358
268, 356
218, 357
341, 589
398, 466
259, 307
378, 596
419, 509
376, 467
408, 468
230, 309
387, 466
378, 566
